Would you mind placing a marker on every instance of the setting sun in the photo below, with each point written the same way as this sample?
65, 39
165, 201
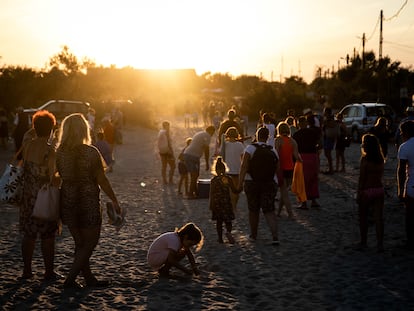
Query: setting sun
163, 35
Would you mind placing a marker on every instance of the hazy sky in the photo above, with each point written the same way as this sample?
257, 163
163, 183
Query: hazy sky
291, 37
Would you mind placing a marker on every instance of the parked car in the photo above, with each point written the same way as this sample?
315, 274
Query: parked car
61, 108
360, 117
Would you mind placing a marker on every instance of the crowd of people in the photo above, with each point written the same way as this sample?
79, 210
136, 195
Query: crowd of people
294, 140
76, 154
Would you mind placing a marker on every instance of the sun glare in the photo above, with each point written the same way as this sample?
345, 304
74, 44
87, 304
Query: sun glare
176, 35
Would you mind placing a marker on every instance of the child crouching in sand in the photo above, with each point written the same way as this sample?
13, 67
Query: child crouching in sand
169, 248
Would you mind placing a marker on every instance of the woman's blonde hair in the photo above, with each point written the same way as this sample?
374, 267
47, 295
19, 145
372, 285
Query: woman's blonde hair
232, 132
74, 131
283, 128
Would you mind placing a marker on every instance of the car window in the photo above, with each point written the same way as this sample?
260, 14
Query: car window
381, 112
54, 108
354, 112
345, 112
376, 112
372, 111
71, 108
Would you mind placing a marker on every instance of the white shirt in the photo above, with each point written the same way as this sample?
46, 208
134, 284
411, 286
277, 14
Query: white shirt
233, 153
272, 130
163, 143
197, 145
161, 247
406, 152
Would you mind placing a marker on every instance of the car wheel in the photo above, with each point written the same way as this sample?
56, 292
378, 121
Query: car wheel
355, 135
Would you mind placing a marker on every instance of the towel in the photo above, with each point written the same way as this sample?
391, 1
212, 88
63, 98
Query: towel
298, 182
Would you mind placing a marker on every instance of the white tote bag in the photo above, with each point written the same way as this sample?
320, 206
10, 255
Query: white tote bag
47, 203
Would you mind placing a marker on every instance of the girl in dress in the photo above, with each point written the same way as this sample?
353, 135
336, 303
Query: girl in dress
220, 201
370, 196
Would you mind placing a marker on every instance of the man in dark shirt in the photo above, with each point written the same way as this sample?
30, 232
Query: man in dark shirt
231, 115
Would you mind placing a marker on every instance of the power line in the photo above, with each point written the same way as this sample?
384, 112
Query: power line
407, 30
398, 12
381, 18
400, 45
375, 29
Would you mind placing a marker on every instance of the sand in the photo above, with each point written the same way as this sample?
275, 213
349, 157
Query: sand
315, 267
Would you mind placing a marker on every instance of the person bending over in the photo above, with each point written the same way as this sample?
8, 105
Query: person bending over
168, 249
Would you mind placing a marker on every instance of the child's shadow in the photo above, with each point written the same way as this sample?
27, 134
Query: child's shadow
175, 292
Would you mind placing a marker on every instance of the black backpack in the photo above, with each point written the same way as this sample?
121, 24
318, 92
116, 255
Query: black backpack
263, 164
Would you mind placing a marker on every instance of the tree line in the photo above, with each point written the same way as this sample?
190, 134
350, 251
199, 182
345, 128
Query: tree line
175, 91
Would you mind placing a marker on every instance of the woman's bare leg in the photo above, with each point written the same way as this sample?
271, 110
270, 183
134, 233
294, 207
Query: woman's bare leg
85, 242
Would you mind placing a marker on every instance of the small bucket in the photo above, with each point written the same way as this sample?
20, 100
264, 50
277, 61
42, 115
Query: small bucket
203, 188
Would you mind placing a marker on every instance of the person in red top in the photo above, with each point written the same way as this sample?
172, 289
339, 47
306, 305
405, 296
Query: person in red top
287, 149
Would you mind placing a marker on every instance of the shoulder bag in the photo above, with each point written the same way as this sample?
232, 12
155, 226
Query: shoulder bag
47, 201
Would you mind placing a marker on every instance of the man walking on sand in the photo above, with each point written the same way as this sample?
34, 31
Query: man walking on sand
258, 177
200, 144
406, 178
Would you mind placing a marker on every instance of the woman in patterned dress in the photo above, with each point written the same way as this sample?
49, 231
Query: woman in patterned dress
39, 168
81, 169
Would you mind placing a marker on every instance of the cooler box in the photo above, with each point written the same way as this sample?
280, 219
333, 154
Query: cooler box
203, 186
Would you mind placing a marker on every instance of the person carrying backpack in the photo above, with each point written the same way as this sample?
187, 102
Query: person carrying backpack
258, 179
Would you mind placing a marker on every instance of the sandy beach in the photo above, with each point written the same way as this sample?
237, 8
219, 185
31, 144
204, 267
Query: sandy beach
315, 267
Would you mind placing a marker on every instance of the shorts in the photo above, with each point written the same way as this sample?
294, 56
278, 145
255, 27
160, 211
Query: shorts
328, 143
182, 168
287, 174
192, 163
260, 195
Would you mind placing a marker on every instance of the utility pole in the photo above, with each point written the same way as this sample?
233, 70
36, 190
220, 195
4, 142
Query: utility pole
363, 50
380, 36
281, 69
381, 72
